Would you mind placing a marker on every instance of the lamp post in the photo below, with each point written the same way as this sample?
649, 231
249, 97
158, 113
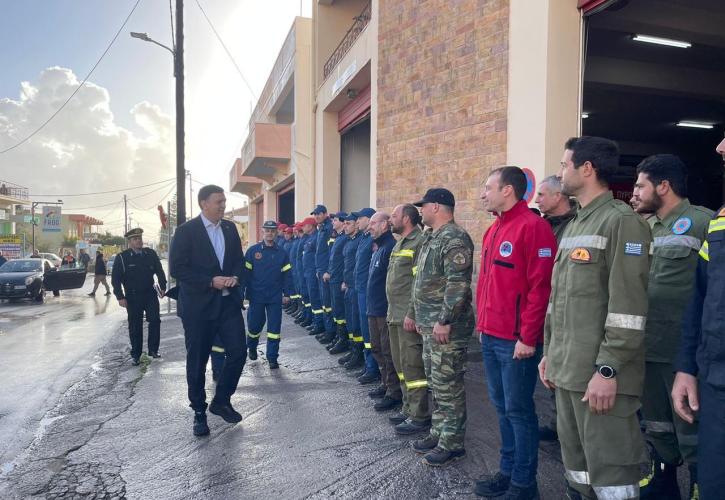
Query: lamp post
178, 53
32, 214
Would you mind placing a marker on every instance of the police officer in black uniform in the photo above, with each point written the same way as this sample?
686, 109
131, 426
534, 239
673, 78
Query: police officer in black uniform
133, 286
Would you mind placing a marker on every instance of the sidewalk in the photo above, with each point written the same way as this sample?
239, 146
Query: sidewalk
309, 431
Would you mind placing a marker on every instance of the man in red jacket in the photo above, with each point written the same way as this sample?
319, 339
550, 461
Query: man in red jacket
514, 283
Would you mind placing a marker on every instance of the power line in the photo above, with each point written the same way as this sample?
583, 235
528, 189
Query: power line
173, 37
162, 199
105, 192
78, 87
231, 57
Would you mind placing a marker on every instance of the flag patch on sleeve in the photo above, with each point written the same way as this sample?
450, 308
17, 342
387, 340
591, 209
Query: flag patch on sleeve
544, 252
632, 248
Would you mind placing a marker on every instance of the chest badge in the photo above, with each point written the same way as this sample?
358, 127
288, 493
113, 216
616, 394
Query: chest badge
580, 255
258, 255
506, 249
682, 225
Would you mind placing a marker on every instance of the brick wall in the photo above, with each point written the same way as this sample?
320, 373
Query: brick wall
442, 90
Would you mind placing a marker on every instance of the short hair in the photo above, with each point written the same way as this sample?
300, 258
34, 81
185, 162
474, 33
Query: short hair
570, 142
514, 177
553, 182
665, 167
208, 190
602, 153
412, 212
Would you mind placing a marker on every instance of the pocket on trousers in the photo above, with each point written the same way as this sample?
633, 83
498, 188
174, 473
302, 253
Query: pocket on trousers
616, 437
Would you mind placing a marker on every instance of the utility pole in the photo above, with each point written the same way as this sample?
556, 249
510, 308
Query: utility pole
125, 215
191, 197
179, 74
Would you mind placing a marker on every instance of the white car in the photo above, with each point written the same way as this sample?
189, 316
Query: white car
53, 258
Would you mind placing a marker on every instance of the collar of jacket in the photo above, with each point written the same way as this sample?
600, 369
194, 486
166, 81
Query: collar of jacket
517, 210
556, 219
387, 235
597, 202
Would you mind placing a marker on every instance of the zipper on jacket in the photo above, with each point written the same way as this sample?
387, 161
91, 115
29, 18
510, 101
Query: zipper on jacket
517, 327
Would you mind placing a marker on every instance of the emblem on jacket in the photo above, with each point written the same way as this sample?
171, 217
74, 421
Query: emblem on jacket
258, 255
506, 249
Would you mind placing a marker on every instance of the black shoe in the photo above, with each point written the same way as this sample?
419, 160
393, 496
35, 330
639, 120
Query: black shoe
492, 486
154, 354
316, 330
327, 337
135, 361
252, 354
546, 433
200, 426
225, 411
107, 294
368, 378
661, 482
305, 323
422, 446
572, 494
398, 418
438, 457
377, 393
410, 427
356, 361
339, 347
519, 493
92, 294
298, 320
273, 365
361, 372
344, 359
387, 403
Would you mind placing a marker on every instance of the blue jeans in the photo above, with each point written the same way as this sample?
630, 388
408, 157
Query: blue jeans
371, 366
511, 384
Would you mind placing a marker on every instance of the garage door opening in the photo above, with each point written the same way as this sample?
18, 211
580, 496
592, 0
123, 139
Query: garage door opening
355, 167
286, 206
654, 82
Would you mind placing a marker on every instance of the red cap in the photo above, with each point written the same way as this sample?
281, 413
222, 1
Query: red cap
309, 220
288, 229
281, 226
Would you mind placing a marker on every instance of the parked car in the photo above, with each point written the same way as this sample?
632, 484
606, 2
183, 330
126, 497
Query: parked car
109, 264
31, 278
53, 258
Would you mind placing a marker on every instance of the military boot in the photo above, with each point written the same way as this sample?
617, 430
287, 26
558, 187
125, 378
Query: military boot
661, 482
327, 338
356, 358
340, 346
344, 359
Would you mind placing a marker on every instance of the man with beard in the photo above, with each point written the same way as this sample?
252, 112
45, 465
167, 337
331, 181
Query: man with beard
678, 229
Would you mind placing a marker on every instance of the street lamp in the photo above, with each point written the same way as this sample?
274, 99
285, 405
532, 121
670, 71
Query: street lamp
178, 53
32, 214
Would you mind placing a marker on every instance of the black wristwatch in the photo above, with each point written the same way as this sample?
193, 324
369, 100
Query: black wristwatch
606, 371
444, 321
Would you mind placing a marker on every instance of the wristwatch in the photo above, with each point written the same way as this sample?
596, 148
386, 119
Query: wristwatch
444, 320
606, 371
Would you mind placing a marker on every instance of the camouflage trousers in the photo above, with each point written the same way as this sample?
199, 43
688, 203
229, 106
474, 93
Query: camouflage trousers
445, 366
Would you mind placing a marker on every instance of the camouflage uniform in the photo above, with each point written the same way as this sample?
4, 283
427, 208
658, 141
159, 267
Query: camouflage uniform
442, 293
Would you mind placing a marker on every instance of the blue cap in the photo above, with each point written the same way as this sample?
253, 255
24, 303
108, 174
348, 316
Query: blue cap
319, 209
339, 215
365, 212
270, 224
351, 217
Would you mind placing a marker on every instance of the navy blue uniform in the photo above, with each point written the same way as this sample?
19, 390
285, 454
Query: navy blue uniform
310, 277
352, 314
702, 354
336, 269
268, 279
325, 239
362, 271
304, 289
293, 244
377, 300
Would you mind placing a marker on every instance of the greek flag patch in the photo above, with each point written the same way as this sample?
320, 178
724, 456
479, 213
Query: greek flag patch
544, 252
631, 248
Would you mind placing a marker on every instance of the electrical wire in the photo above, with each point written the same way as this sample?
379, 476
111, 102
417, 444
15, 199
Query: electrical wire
231, 57
173, 36
162, 199
42, 125
105, 192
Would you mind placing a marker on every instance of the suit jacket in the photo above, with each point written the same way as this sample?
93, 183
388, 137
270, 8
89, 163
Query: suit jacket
193, 262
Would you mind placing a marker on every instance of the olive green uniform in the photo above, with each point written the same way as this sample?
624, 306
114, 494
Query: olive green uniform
677, 240
442, 294
596, 316
406, 347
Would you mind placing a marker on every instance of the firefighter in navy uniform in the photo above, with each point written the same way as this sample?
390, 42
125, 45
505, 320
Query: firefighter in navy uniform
268, 284
133, 286
335, 276
325, 239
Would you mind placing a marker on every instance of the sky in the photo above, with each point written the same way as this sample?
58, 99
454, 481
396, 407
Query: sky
118, 131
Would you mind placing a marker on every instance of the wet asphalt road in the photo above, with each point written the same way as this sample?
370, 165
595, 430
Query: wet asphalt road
309, 430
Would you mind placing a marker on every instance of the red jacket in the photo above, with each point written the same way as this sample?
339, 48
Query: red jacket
514, 281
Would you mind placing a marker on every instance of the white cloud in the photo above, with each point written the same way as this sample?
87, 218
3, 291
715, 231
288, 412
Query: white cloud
83, 149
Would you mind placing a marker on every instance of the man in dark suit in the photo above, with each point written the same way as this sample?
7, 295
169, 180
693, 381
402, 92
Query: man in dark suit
207, 260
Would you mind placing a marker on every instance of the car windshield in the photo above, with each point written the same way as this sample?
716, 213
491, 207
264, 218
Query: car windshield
21, 266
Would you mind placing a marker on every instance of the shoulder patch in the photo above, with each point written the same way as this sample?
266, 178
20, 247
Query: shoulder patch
461, 258
633, 248
682, 225
544, 252
581, 255
506, 249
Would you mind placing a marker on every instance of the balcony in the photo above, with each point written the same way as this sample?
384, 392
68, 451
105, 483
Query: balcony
361, 22
250, 186
13, 192
268, 151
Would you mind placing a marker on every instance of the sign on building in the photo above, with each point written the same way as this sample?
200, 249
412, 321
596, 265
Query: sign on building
51, 219
11, 246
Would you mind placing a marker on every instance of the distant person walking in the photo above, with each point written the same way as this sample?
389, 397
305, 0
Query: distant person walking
99, 274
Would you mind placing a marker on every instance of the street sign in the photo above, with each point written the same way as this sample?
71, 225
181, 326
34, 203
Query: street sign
11, 246
51, 219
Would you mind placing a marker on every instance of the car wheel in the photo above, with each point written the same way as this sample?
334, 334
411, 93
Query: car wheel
56, 293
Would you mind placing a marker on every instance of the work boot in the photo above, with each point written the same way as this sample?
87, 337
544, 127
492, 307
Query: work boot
305, 322
154, 354
387, 403
316, 330
377, 393
422, 446
438, 457
492, 486
135, 361
252, 354
410, 427
661, 482
273, 365
226, 411
344, 359
547, 433
356, 360
327, 338
340, 346
694, 493
92, 294
398, 418
368, 378
522, 493
200, 426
